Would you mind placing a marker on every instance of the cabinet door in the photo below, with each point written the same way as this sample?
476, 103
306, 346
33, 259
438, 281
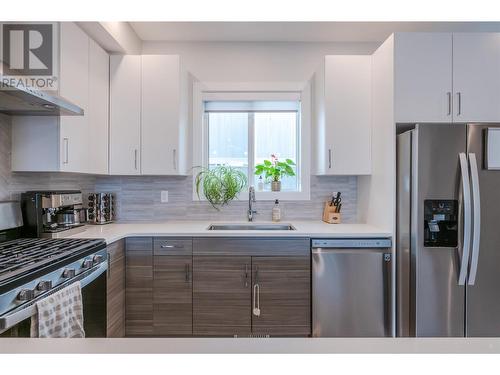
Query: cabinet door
74, 86
125, 115
347, 115
172, 295
98, 124
221, 295
281, 289
116, 290
139, 287
423, 77
476, 77
160, 114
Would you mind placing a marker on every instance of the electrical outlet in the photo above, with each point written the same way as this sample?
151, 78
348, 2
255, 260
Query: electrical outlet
164, 196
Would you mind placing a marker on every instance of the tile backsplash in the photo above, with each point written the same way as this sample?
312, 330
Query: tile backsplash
138, 197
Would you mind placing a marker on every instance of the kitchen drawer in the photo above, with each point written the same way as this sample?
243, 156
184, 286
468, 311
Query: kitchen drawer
172, 246
252, 246
139, 243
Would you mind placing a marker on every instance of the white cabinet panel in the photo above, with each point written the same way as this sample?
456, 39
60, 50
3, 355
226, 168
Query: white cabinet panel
476, 77
98, 121
344, 116
125, 115
423, 77
160, 114
74, 86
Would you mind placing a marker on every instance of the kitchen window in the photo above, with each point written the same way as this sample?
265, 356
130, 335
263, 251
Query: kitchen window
242, 130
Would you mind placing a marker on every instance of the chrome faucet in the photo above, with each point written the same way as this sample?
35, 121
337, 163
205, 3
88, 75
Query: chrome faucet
251, 199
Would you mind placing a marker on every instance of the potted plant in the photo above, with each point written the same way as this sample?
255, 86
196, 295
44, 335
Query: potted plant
220, 184
274, 169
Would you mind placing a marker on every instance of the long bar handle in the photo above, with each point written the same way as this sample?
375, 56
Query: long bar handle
449, 102
459, 99
66, 150
467, 218
329, 158
476, 202
246, 275
188, 266
135, 159
174, 157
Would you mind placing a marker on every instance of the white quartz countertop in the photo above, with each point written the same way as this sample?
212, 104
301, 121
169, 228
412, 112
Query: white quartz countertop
312, 229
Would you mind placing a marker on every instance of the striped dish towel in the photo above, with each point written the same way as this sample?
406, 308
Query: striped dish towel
60, 314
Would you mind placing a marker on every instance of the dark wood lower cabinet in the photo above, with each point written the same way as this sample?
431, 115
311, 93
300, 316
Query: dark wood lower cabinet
284, 296
221, 295
139, 287
172, 296
115, 294
170, 290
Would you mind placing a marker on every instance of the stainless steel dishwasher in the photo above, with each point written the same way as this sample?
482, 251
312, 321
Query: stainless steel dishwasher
351, 287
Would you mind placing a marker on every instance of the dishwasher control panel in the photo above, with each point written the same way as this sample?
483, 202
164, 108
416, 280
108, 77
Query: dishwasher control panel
352, 243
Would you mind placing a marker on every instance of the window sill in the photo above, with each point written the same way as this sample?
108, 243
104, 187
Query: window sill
268, 196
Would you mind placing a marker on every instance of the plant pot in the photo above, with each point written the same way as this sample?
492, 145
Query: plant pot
276, 185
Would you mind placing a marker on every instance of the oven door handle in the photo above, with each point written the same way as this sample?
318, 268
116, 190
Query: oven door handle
27, 310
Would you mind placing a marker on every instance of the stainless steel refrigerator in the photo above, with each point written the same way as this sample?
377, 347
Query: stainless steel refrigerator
448, 230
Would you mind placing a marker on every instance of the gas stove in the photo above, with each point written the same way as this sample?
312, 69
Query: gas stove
25, 258
33, 268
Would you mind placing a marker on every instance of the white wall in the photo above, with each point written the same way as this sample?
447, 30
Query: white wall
242, 62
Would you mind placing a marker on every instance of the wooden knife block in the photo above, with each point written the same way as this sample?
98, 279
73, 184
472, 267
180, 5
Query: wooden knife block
330, 216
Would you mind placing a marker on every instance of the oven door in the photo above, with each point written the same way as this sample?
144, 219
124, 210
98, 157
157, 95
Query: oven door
17, 322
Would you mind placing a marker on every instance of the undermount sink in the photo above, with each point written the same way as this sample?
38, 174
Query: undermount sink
250, 226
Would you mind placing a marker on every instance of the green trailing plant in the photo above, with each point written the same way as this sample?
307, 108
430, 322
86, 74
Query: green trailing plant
220, 184
274, 169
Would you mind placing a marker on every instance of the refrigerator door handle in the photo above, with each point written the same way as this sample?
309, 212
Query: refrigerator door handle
464, 167
476, 236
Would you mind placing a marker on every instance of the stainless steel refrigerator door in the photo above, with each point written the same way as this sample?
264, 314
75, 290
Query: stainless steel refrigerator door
403, 270
483, 298
351, 293
438, 300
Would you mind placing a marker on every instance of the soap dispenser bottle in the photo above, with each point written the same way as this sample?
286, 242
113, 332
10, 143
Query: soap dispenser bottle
276, 214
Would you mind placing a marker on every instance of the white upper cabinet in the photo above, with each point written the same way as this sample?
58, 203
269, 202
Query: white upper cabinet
163, 116
69, 143
476, 77
343, 116
74, 86
423, 77
98, 113
125, 115
148, 115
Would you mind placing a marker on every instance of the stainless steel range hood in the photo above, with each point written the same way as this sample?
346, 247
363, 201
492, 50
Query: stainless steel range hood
23, 101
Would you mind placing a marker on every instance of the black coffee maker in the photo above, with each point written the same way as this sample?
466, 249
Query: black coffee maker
48, 213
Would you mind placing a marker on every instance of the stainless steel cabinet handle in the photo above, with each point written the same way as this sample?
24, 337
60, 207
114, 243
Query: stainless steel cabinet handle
330, 158
466, 192
246, 275
187, 272
172, 246
459, 102
476, 204
449, 102
109, 266
175, 158
135, 159
66, 150
256, 300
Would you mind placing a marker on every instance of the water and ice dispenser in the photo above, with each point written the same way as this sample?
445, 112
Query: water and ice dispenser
440, 223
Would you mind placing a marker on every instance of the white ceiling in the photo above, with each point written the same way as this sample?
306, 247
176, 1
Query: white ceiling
294, 31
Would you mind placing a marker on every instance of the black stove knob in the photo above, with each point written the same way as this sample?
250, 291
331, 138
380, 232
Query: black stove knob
68, 273
44, 285
97, 259
87, 263
26, 295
